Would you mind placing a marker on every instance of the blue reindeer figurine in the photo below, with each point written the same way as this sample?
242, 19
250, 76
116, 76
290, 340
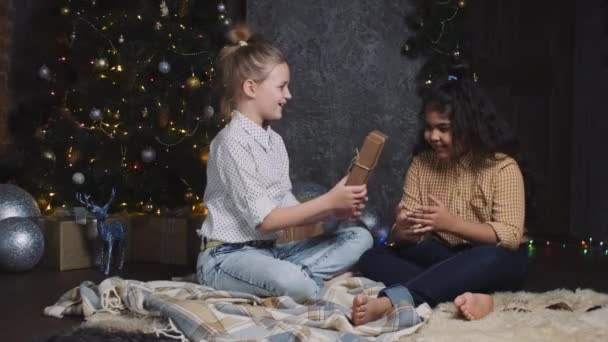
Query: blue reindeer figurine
108, 233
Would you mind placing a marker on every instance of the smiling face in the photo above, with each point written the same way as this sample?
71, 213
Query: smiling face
272, 93
438, 134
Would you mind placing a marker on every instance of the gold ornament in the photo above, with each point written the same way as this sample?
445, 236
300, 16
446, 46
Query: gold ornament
42, 203
205, 154
101, 64
462, 3
193, 83
200, 208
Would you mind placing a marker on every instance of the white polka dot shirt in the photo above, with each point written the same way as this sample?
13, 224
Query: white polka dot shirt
247, 177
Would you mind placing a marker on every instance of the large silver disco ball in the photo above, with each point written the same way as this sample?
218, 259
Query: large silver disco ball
16, 202
21, 244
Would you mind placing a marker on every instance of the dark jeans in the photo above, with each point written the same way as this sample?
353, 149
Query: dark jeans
434, 272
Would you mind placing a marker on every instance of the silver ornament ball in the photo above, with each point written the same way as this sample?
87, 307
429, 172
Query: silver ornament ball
49, 155
221, 7
21, 244
95, 114
121, 39
16, 202
148, 155
209, 111
227, 22
78, 178
44, 72
164, 67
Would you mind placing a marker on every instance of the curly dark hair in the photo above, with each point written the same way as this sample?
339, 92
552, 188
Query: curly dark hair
476, 127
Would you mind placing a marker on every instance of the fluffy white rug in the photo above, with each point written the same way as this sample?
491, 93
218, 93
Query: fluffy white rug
560, 315
556, 316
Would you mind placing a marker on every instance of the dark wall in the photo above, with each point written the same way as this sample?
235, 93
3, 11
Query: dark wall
590, 121
524, 56
347, 78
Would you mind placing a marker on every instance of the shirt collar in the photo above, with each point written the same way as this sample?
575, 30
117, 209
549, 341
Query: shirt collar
259, 134
465, 160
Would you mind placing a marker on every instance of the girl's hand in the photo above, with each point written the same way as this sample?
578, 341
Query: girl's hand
436, 217
347, 199
404, 230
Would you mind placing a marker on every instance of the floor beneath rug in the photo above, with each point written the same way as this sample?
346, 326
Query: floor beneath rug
25, 295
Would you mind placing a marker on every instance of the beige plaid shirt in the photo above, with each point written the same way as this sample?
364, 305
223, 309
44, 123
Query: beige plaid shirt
492, 193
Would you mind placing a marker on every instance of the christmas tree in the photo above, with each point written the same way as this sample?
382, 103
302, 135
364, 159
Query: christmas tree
437, 35
129, 103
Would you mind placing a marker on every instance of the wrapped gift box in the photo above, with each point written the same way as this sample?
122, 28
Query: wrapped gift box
367, 159
164, 239
70, 245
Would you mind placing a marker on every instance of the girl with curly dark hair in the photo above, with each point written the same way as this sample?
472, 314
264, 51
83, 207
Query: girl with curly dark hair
460, 222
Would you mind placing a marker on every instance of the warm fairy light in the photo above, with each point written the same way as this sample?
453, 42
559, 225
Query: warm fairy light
548, 243
51, 194
124, 204
157, 211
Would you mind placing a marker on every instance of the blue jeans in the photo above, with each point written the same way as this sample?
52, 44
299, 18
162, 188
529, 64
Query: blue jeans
434, 272
297, 269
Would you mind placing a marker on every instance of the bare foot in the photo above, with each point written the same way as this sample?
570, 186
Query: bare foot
367, 309
335, 279
474, 305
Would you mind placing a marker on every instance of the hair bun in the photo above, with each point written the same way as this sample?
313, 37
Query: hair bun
239, 34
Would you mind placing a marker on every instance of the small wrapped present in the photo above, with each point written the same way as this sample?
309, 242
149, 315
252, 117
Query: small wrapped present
70, 244
164, 239
367, 159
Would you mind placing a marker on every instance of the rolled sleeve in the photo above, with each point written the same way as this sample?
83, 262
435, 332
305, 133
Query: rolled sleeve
289, 200
244, 184
508, 209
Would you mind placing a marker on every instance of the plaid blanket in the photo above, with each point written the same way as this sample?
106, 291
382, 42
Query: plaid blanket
199, 313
